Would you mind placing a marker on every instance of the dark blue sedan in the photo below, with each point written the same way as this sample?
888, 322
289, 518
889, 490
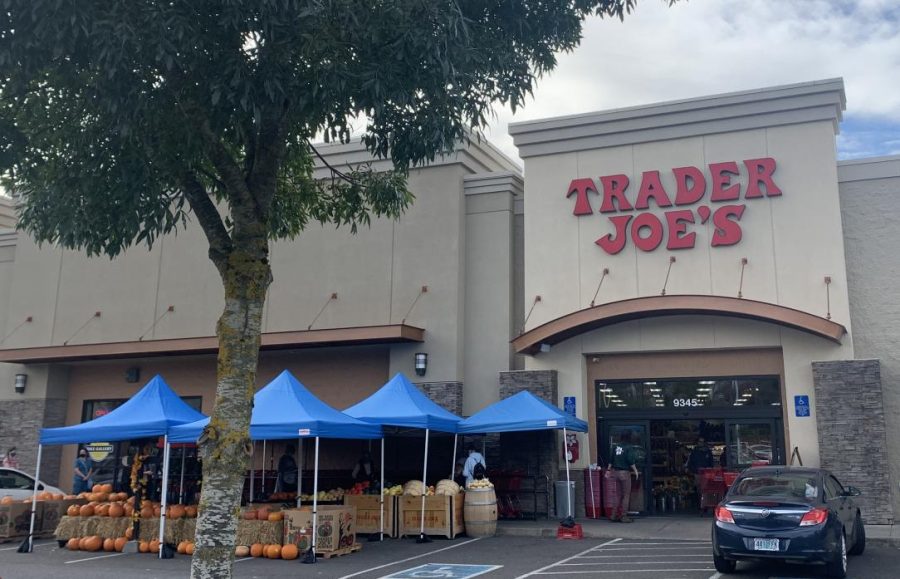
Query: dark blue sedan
794, 514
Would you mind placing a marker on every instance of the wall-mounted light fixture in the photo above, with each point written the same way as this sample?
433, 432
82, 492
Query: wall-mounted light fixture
421, 363
21, 381
132, 374
545, 348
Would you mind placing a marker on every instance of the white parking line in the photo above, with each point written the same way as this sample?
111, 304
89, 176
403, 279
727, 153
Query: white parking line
621, 571
35, 545
244, 559
95, 558
364, 571
567, 559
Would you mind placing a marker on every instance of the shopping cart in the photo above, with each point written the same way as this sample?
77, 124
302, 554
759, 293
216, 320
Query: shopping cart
712, 487
507, 487
730, 476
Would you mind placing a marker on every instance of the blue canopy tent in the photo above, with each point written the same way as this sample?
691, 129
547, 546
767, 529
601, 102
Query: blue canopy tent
523, 411
284, 408
399, 403
153, 411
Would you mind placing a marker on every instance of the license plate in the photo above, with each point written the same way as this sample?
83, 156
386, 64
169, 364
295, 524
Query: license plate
765, 544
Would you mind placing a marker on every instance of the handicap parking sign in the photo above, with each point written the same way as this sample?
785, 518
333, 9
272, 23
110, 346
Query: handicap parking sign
442, 571
801, 405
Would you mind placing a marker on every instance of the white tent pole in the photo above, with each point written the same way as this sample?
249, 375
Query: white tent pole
262, 484
37, 478
181, 482
568, 485
453, 464
424, 488
299, 468
164, 492
315, 499
381, 521
252, 471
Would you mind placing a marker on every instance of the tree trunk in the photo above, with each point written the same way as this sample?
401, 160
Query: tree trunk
225, 443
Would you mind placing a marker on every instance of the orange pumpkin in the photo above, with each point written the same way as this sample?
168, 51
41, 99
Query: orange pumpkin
120, 544
156, 511
101, 497
189, 548
290, 552
181, 547
176, 511
273, 551
190, 511
241, 551
107, 488
115, 510
97, 488
45, 496
109, 545
144, 547
72, 545
249, 515
7, 500
129, 510
130, 500
147, 512
256, 550
73, 510
275, 517
154, 546
129, 533
86, 511
262, 514
93, 543
102, 511
58, 497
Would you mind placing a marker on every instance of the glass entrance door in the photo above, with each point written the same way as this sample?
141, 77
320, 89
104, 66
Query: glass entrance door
638, 434
750, 442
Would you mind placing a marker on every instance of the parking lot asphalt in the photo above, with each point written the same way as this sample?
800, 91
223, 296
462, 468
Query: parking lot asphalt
492, 558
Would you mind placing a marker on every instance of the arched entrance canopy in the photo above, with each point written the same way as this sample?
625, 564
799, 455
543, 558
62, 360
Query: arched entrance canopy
603, 315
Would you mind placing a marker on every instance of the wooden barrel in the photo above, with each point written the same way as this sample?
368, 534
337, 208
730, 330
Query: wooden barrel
480, 512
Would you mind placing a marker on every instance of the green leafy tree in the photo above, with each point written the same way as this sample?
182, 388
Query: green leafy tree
119, 118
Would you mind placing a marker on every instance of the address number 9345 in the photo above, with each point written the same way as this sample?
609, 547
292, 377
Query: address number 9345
685, 402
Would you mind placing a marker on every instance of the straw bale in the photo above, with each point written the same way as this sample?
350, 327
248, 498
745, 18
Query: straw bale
68, 528
174, 531
270, 532
188, 530
247, 532
89, 526
149, 529
112, 528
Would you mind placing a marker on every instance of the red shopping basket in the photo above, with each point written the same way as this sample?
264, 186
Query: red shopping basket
712, 487
593, 493
611, 497
730, 477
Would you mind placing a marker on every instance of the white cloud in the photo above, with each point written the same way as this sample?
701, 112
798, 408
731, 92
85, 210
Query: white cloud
703, 47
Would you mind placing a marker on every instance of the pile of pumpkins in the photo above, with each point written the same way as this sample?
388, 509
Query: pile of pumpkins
42, 496
274, 551
263, 514
104, 503
95, 543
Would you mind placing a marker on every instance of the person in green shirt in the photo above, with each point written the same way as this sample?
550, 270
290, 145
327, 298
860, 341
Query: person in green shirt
622, 464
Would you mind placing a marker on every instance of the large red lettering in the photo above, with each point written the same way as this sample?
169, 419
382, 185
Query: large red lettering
646, 221
652, 188
728, 231
581, 187
761, 171
613, 243
677, 223
722, 187
691, 185
614, 187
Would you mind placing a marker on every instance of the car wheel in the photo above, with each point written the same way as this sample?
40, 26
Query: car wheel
859, 533
724, 565
837, 567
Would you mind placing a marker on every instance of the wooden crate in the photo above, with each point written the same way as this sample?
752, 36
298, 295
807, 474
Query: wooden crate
336, 527
443, 515
368, 513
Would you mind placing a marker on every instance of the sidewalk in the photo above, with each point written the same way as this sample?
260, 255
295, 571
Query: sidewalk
688, 527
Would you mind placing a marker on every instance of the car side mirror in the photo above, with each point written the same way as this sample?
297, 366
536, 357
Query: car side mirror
852, 492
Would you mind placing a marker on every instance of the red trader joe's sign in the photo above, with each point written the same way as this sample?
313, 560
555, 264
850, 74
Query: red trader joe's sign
717, 194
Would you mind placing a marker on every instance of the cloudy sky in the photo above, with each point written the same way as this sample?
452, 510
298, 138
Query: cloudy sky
702, 47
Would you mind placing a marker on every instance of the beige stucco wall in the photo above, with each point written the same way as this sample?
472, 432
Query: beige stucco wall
7, 212
790, 243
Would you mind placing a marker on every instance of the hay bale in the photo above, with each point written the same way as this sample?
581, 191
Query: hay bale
270, 532
112, 528
174, 531
68, 528
247, 532
89, 526
188, 530
149, 529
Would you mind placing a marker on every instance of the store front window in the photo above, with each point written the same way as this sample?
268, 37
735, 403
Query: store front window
689, 425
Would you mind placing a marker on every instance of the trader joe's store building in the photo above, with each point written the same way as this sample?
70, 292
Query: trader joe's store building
699, 268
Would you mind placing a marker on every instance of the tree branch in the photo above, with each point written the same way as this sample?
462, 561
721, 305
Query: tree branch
270, 146
220, 243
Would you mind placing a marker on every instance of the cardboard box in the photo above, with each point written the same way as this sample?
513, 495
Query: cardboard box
368, 513
15, 519
54, 511
336, 527
443, 515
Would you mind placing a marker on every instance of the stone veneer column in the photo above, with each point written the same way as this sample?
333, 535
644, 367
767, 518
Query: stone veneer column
20, 425
539, 452
852, 441
447, 395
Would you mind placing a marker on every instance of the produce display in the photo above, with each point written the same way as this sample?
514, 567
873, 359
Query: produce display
395, 490
480, 484
331, 495
447, 487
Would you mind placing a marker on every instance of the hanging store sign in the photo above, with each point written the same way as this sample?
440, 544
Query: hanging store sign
717, 194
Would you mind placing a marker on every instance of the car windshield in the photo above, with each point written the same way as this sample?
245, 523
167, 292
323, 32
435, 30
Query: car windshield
792, 484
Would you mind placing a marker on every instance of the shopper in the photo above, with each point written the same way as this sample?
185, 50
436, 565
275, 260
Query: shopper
701, 457
474, 459
364, 469
458, 476
11, 461
81, 479
287, 471
623, 462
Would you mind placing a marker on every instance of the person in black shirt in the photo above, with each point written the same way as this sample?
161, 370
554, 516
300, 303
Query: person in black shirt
287, 471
